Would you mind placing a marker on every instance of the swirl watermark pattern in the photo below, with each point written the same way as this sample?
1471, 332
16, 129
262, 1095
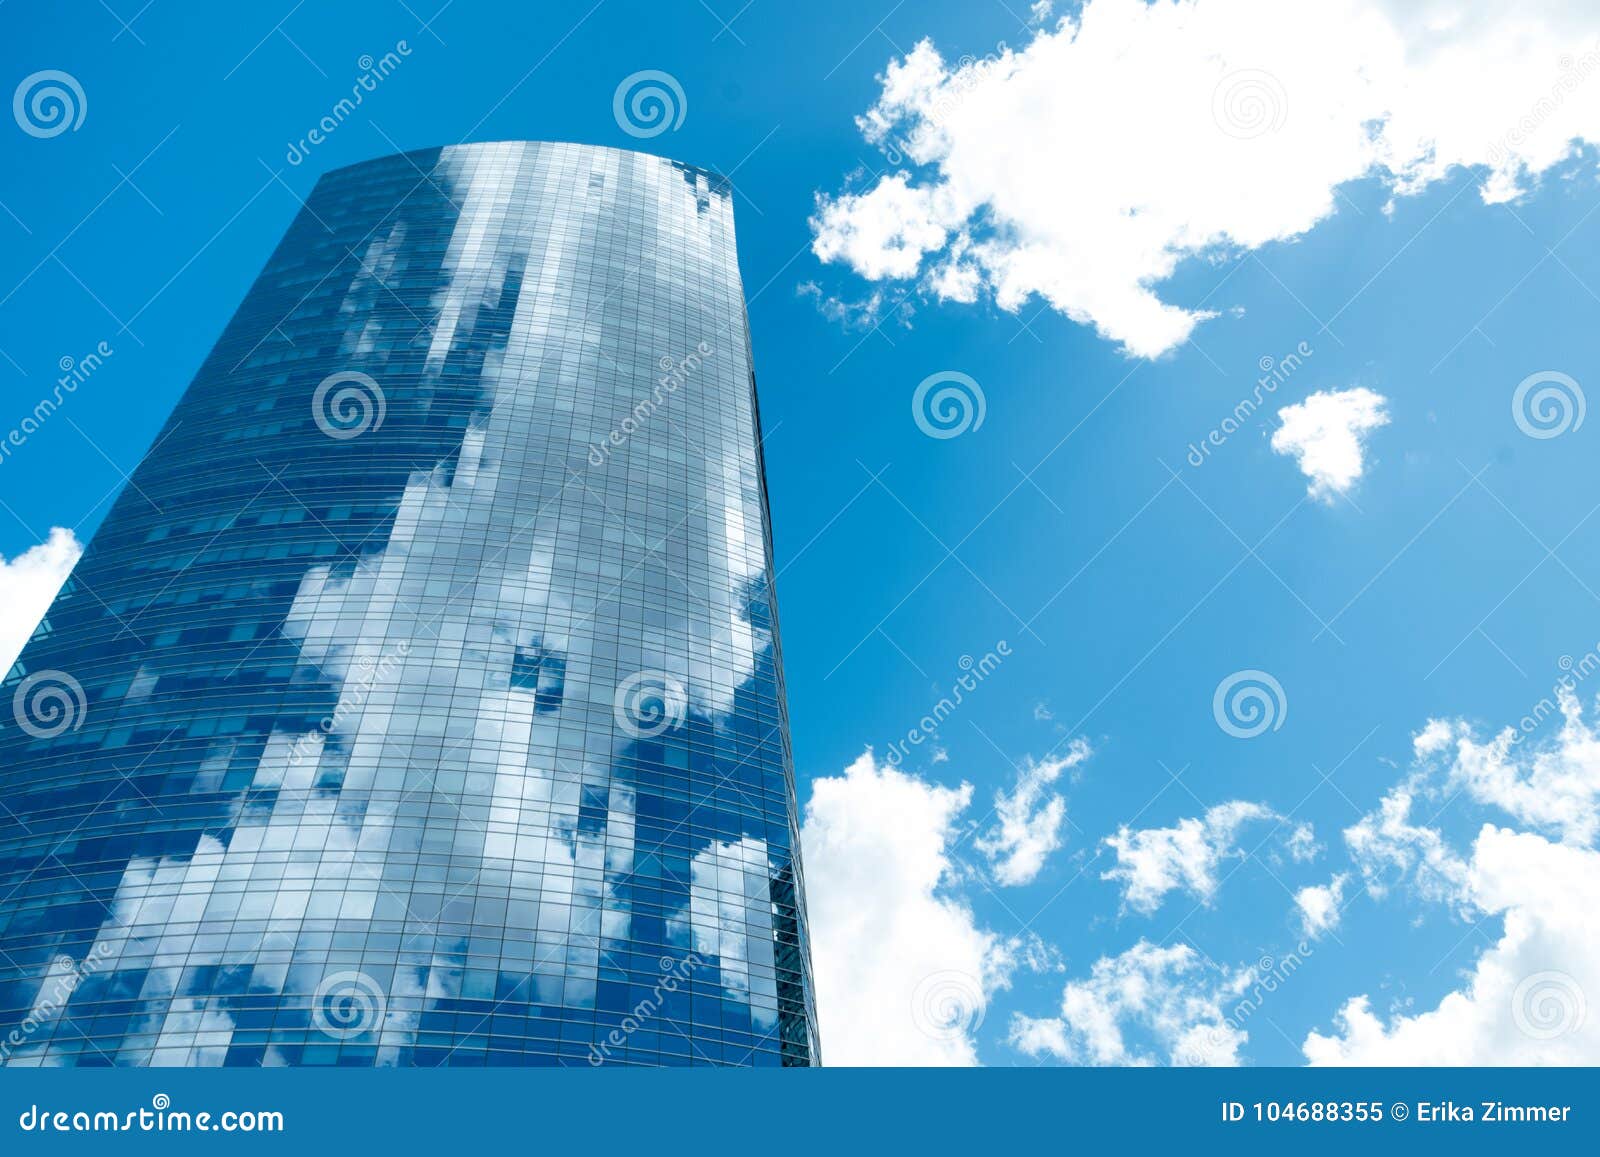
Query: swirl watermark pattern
1249, 103
347, 1004
1249, 702
49, 103
649, 103
1548, 1004
648, 703
348, 404
948, 1005
948, 404
48, 704
1547, 404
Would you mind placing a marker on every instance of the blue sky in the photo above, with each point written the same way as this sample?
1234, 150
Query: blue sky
1447, 582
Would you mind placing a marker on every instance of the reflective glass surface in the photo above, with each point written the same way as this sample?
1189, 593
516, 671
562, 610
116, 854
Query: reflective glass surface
419, 702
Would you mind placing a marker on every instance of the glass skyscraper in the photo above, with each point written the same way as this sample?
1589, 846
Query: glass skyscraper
419, 701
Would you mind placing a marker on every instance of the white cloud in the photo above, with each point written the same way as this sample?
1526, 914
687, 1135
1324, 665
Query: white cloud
722, 928
1320, 906
903, 970
1302, 844
1435, 736
1114, 144
1168, 994
28, 583
886, 231
1326, 434
1390, 849
1030, 818
1525, 999
1153, 861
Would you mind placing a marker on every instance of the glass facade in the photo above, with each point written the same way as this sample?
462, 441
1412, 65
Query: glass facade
420, 701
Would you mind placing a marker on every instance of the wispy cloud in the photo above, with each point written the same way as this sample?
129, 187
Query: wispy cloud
1030, 816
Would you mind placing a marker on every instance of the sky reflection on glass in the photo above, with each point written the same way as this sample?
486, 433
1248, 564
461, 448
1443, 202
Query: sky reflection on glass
431, 701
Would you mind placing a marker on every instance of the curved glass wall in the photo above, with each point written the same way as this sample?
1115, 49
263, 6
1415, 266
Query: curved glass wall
419, 701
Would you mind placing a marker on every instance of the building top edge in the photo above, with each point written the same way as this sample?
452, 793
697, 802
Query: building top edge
711, 174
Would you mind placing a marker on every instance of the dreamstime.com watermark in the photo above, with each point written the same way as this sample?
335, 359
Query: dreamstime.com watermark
1274, 372
974, 672
351, 699
675, 974
1573, 672
968, 74
675, 373
1574, 72
1267, 975
56, 990
373, 73
74, 372
160, 1117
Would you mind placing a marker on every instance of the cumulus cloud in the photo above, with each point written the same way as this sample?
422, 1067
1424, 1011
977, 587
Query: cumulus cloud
1320, 906
1525, 1000
1166, 995
904, 972
28, 583
1085, 165
1030, 817
1153, 861
1327, 433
